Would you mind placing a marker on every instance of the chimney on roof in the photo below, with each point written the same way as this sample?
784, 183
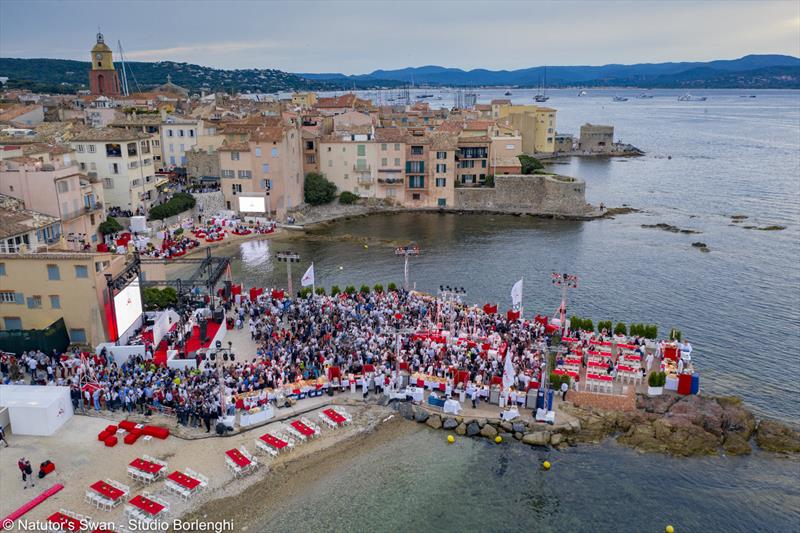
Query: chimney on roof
163, 113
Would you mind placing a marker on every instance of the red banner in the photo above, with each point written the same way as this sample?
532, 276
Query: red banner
490, 309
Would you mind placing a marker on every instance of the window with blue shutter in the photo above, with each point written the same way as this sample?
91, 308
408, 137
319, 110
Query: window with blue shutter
55, 301
2, 269
11, 322
19, 298
77, 335
52, 273
81, 271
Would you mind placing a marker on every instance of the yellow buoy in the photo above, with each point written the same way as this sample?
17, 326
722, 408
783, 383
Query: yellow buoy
546, 465
498, 439
669, 529
451, 439
365, 246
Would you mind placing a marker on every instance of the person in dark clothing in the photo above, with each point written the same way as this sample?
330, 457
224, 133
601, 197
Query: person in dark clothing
27, 472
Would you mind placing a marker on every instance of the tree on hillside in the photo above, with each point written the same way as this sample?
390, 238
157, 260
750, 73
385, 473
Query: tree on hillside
110, 226
530, 164
318, 189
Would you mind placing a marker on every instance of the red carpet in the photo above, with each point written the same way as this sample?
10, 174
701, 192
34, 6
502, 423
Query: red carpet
194, 344
33, 503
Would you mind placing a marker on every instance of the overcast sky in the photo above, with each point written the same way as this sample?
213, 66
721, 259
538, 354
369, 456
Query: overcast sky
361, 36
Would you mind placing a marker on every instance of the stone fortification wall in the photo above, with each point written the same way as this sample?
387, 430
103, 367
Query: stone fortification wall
537, 194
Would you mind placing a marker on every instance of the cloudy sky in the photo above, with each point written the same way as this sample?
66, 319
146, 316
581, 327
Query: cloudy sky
361, 36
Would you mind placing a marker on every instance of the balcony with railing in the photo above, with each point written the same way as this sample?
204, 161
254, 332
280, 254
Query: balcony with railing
362, 168
390, 181
365, 180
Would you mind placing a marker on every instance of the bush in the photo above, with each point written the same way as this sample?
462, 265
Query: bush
557, 379
155, 299
651, 331
350, 290
178, 232
364, 289
588, 325
489, 181
378, 288
603, 325
621, 329
335, 290
305, 292
321, 291
347, 198
675, 335
180, 202
317, 189
392, 287
110, 226
530, 164
657, 379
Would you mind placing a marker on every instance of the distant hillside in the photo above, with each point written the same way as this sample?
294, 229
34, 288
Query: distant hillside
752, 71
67, 76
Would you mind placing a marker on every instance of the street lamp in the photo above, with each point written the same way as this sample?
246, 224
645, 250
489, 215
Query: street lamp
288, 258
565, 281
406, 252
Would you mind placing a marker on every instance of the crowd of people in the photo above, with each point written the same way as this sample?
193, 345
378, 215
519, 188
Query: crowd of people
299, 339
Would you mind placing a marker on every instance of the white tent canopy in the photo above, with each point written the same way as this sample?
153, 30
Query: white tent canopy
36, 410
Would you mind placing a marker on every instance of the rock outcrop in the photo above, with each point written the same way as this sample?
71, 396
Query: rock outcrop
776, 437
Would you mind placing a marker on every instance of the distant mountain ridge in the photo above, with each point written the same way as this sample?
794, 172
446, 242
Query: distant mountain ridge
752, 71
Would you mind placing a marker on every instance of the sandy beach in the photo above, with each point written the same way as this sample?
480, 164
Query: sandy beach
81, 460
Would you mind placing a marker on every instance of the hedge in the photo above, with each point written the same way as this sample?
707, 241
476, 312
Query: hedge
180, 202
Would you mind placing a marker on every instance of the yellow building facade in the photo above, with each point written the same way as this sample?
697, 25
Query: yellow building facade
537, 125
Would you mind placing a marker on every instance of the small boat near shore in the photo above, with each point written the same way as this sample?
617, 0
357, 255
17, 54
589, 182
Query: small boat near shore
689, 98
582, 93
619, 99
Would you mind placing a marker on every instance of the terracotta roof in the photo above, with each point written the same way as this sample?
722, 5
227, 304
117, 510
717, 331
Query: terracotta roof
268, 134
546, 109
109, 134
478, 125
483, 107
15, 219
234, 147
390, 135
498, 101
443, 141
449, 127
345, 100
9, 113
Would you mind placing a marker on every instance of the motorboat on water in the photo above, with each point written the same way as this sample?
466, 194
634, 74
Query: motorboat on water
645, 96
507, 93
689, 98
541, 98
747, 96
619, 99
582, 93
425, 96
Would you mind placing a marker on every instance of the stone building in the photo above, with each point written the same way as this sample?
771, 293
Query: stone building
596, 138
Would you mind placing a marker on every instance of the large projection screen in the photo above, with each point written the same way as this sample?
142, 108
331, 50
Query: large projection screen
253, 204
127, 306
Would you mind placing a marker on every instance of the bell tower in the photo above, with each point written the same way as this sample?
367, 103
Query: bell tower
103, 78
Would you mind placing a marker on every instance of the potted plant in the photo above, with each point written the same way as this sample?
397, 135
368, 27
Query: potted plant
655, 383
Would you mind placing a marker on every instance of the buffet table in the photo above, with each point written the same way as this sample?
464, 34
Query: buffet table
259, 417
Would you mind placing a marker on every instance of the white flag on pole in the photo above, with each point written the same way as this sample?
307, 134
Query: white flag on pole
308, 277
516, 295
508, 371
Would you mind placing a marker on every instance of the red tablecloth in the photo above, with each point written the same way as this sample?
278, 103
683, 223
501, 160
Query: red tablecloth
302, 428
572, 361
147, 505
275, 442
333, 415
631, 357
600, 343
562, 372
625, 368
599, 377
596, 365
183, 480
66, 522
237, 457
146, 466
627, 346
569, 339
104, 489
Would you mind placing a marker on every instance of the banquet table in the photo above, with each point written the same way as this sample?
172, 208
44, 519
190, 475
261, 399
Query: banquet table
146, 505
572, 361
107, 491
336, 417
250, 419
146, 466
592, 364
562, 372
451, 406
509, 414
302, 428
66, 522
183, 480
238, 457
417, 394
275, 442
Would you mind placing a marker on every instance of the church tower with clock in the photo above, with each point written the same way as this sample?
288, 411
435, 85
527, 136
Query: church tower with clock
103, 79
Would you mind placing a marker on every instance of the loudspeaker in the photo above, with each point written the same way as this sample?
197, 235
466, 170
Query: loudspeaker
233, 357
224, 356
219, 314
213, 356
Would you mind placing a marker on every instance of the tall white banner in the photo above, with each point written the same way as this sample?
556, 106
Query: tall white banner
508, 371
516, 295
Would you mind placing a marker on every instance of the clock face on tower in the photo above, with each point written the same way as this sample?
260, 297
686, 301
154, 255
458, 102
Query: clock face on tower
99, 56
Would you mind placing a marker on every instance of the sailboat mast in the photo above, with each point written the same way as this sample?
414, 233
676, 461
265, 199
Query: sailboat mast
124, 73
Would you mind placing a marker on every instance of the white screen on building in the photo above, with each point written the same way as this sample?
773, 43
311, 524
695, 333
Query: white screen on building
252, 205
127, 306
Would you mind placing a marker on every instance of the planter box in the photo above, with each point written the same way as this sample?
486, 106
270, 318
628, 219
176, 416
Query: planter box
655, 391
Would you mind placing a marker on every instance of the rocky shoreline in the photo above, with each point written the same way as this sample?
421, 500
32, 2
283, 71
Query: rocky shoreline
684, 426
